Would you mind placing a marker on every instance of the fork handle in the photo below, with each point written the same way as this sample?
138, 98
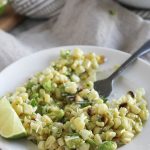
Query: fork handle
143, 50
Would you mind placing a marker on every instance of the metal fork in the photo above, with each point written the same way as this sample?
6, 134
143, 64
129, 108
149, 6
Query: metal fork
104, 87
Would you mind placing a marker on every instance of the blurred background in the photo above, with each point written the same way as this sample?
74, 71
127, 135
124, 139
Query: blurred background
20, 15
28, 26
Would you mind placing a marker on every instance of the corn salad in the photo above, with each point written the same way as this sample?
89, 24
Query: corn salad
60, 109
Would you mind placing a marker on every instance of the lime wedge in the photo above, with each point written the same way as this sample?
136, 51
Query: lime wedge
10, 124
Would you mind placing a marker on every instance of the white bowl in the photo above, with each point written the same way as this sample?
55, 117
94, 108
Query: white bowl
137, 3
135, 76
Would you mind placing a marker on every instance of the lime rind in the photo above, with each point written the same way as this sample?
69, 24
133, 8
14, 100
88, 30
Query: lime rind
10, 124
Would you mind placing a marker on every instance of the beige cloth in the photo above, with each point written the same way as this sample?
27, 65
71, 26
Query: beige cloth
84, 22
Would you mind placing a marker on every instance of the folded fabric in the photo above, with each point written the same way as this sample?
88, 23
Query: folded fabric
96, 22
11, 49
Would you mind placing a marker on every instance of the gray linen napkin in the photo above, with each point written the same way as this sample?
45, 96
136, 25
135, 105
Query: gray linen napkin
84, 22
10, 49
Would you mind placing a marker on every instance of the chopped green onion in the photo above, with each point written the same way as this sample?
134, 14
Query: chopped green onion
47, 85
104, 99
65, 53
84, 103
30, 85
34, 102
73, 142
91, 142
34, 95
108, 145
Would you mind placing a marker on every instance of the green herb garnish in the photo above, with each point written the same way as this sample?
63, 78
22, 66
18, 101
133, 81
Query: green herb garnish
47, 85
84, 103
112, 12
105, 99
34, 102
108, 145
